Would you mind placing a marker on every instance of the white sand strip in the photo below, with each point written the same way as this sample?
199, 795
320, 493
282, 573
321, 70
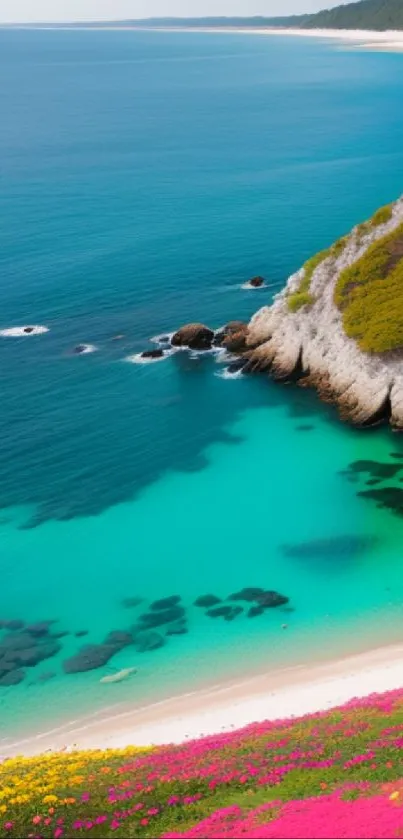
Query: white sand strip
284, 693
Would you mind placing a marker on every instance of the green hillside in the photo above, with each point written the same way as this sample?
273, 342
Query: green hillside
367, 14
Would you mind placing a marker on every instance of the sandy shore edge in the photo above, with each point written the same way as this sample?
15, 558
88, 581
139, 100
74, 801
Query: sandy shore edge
388, 41
284, 693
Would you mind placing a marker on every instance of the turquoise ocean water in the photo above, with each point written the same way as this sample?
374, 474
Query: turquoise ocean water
145, 177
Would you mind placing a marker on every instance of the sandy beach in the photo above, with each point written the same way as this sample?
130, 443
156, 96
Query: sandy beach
388, 41
284, 693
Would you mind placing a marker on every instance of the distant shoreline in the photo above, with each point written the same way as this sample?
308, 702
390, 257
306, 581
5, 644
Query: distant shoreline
389, 41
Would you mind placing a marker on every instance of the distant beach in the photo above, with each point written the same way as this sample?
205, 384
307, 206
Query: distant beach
387, 41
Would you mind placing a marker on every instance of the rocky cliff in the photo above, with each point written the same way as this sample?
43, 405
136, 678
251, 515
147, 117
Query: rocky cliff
338, 324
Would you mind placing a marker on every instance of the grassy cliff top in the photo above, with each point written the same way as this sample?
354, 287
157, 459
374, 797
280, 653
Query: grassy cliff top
369, 294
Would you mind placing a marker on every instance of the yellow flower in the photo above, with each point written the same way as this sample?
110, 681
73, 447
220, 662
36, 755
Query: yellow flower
50, 799
3, 808
394, 796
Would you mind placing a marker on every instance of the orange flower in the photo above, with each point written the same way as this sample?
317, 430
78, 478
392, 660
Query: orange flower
323, 785
51, 811
105, 770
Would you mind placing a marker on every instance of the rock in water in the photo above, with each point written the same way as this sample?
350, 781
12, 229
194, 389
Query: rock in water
196, 336
153, 354
256, 282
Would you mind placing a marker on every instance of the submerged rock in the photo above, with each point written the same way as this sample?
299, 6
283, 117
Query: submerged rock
13, 625
271, 599
248, 594
90, 657
131, 602
14, 677
178, 628
149, 641
119, 638
159, 618
332, 547
226, 612
196, 336
255, 611
166, 602
207, 600
38, 630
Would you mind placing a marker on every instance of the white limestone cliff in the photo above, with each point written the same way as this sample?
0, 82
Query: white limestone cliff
311, 343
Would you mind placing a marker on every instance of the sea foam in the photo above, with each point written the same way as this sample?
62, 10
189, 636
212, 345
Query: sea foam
23, 331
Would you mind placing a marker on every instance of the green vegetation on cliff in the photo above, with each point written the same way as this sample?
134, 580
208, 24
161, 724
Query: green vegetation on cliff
367, 14
369, 294
302, 296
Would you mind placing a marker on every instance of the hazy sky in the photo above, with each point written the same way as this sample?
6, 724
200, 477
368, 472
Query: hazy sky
36, 10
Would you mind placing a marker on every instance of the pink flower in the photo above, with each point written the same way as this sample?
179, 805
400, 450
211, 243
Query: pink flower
144, 822
8, 825
58, 833
153, 811
85, 796
138, 806
36, 819
101, 819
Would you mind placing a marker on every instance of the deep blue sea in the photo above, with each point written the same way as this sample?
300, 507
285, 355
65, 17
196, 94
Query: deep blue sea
144, 178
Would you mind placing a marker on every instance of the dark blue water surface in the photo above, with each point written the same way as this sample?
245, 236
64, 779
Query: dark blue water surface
145, 176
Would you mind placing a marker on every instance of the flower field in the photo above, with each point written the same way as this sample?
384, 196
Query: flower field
333, 774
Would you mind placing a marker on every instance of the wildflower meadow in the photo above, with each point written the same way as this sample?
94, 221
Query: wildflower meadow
331, 774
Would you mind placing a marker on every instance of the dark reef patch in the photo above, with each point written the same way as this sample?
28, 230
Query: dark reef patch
305, 428
375, 468
166, 602
148, 641
388, 498
131, 602
207, 600
248, 594
154, 619
330, 548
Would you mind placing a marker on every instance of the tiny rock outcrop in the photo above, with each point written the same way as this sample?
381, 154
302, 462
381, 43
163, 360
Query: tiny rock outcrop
338, 324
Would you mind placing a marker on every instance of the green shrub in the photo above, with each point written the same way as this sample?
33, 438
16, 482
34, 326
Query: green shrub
370, 295
298, 299
382, 215
303, 297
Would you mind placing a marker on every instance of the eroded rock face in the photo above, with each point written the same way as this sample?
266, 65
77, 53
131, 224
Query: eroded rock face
310, 344
196, 336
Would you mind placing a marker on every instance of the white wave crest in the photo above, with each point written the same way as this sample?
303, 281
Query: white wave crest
84, 349
249, 287
226, 374
162, 340
23, 331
